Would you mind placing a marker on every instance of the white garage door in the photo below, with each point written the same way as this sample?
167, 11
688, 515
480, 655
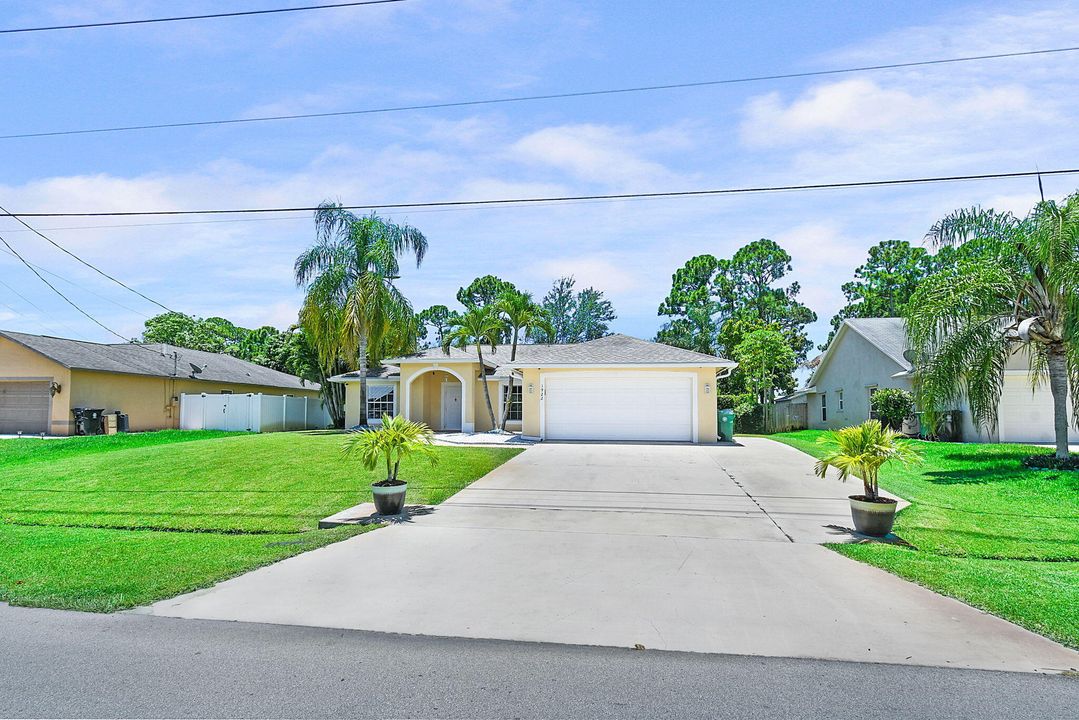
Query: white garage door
626, 406
24, 407
1027, 416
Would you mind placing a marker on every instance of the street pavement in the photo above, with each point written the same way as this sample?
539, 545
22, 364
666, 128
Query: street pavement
65, 664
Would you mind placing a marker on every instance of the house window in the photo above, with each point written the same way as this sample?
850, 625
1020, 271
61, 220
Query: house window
824, 407
872, 412
515, 403
839, 395
380, 401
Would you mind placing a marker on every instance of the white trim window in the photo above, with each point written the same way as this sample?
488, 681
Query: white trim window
516, 412
872, 413
824, 407
380, 401
839, 393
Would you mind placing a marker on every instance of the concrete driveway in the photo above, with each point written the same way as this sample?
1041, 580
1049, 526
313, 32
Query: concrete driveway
678, 547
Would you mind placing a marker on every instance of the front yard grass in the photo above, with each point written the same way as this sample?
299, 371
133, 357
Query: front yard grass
984, 530
113, 522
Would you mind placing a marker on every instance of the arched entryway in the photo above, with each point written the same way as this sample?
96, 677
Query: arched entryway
437, 396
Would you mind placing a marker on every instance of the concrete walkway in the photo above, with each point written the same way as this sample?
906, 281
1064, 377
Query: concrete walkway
696, 548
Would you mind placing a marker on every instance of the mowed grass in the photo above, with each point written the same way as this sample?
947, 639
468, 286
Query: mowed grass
984, 530
279, 482
107, 523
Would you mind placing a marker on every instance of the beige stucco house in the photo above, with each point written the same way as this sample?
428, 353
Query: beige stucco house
613, 388
42, 378
868, 354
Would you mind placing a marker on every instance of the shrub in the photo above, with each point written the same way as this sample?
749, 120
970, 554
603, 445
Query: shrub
892, 406
1051, 462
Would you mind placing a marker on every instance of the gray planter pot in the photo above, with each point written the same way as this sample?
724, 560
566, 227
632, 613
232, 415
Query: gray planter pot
389, 500
872, 518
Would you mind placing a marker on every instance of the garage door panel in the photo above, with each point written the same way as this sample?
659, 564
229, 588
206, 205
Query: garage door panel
643, 406
1027, 416
24, 407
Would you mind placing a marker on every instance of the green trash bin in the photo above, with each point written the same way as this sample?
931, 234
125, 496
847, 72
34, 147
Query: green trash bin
726, 425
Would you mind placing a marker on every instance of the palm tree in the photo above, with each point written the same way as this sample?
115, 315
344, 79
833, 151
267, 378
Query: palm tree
1015, 287
477, 326
521, 313
352, 306
862, 450
394, 441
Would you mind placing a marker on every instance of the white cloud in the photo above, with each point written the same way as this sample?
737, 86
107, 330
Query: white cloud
853, 111
613, 156
604, 273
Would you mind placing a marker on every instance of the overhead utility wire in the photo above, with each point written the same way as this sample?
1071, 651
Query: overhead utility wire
74, 284
93, 267
239, 13
68, 300
564, 198
533, 98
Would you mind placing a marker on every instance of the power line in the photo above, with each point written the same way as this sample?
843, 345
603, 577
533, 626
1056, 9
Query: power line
34, 305
241, 13
534, 98
93, 267
68, 300
567, 198
74, 284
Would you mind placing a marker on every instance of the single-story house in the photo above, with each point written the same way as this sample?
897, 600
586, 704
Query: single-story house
42, 378
868, 354
613, 388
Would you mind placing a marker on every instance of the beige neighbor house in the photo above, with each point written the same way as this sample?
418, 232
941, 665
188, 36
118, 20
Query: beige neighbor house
42, 378
613, 388
868, 354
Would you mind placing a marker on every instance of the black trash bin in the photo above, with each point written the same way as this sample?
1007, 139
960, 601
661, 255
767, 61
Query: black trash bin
121, 422
89, 421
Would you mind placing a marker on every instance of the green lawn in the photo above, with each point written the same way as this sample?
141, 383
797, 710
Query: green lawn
106, 523
984, 529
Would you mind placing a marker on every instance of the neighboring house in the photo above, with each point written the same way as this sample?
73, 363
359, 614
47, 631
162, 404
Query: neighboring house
42, 378
613, 388
868, 354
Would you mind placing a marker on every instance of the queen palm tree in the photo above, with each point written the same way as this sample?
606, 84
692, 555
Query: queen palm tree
1014, 289
479, 326
522, 314
352, 308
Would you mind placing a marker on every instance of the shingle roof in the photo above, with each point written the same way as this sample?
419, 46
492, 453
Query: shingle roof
386, 372
889, 335
612, 349
156, 360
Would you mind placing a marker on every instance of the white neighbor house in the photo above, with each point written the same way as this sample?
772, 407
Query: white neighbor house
869, 353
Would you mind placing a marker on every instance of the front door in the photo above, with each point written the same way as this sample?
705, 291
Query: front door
451, 406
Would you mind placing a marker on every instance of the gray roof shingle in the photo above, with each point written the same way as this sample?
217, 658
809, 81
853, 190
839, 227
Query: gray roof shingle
889, 335
613, 349
156, 360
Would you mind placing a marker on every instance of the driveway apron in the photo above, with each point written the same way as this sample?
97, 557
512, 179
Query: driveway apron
674, 547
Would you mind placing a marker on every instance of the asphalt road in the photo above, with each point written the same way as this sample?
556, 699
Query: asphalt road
62, 664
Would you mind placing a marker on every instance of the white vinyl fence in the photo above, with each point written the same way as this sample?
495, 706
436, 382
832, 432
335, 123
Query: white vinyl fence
251, 412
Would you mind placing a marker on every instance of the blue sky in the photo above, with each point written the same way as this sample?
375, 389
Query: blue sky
1002, 115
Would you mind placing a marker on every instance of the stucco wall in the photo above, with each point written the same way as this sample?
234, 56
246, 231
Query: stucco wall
20, 363
854, 365
707, 431
149, 401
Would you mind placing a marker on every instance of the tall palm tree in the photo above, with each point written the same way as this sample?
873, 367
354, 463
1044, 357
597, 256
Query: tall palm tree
522, 314
1015, 288
352, 306
477, 326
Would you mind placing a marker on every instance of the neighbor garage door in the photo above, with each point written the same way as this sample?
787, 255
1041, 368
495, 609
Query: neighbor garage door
24, 407
625, 406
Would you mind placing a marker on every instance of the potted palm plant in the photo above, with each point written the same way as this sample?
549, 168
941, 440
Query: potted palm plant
862, 450
395, 440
